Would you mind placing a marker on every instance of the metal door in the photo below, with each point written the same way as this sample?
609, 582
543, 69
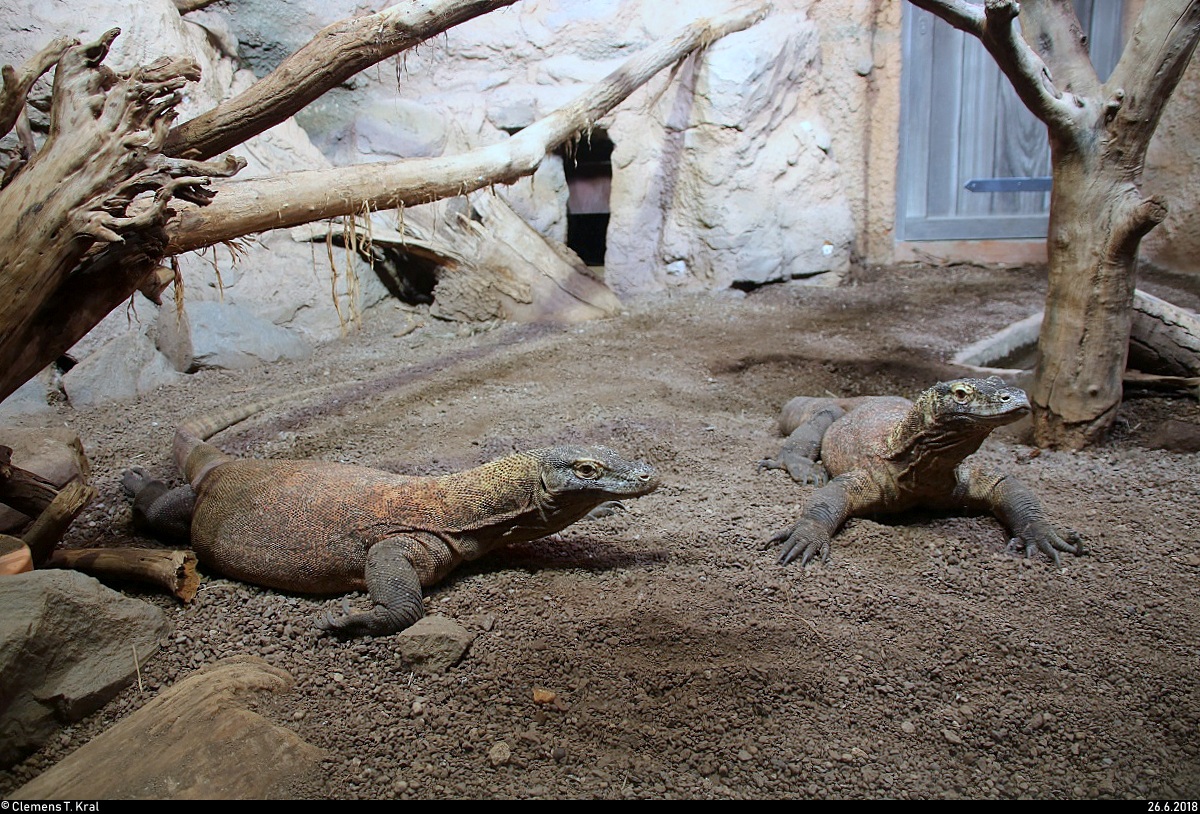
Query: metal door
974, 162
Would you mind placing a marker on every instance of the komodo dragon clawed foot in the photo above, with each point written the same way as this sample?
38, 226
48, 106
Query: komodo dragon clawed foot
1047, 539
888, 454
806, 540
157, 508
801, 469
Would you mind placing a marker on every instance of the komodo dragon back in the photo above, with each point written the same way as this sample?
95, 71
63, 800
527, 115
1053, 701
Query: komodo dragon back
320, 527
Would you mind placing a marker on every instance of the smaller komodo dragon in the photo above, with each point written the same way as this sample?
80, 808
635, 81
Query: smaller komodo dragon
316, 527
888, 454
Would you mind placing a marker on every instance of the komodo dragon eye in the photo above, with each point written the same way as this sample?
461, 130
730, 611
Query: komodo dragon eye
961, 393
588, 470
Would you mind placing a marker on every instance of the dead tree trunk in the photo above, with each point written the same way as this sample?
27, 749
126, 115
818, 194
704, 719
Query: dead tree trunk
1099, 133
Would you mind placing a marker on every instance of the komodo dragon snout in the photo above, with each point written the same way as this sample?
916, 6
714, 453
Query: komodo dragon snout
588, 472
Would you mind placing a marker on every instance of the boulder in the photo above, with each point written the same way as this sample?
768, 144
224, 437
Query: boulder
68, 645
232, 337
123, 368
31, 398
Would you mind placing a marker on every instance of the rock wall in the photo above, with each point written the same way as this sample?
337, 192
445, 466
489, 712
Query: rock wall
1173, 171
723, 176
722, 172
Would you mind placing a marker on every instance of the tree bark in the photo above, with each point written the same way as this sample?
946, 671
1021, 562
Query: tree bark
1164, 338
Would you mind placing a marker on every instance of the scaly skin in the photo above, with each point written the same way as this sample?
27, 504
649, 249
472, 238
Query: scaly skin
325, 528
886, 454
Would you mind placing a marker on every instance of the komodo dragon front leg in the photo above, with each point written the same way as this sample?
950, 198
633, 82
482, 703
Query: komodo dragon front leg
1015, 505
827, 510
394, 585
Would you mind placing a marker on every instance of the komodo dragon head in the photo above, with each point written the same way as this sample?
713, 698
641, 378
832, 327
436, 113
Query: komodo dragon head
591, 475
955, 417
982, 403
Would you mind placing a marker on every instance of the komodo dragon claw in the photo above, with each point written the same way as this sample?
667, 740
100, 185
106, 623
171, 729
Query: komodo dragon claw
1049, 541
805, 540
329, 622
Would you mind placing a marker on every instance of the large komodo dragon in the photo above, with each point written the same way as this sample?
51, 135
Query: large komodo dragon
317, 527
889, 454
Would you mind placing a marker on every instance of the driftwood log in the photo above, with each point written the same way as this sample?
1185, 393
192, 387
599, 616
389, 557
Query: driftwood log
1165, 339
1164, 348
489, 263
173, 571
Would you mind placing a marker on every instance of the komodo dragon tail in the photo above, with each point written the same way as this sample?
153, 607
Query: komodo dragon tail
193, 455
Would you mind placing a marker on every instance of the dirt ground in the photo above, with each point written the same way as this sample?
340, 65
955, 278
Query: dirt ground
924, 662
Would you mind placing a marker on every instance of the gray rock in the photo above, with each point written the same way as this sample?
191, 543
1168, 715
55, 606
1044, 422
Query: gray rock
172, 335
231, 337
123, 368
31, 398
433, 644
67, 645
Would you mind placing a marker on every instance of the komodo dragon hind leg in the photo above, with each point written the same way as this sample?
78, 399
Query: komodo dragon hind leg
394, 587
158, 509
800, 451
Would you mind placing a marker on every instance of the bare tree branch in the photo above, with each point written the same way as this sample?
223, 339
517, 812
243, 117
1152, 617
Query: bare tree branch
335, 54
996, 27
18, 83
966, 17
1052, 29
1155, 56
244, 207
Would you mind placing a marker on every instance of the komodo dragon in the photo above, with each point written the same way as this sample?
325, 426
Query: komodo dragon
317, 527
888, 454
